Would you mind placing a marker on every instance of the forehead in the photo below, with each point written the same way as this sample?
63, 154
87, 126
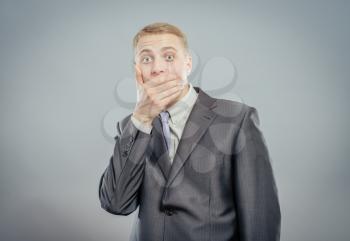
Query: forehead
155, 42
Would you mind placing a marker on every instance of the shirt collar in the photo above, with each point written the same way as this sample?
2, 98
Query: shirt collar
182, 107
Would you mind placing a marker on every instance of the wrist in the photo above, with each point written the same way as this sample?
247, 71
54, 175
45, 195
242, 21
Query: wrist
143, 119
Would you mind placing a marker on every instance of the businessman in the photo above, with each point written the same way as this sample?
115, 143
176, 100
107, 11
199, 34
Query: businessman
196, 166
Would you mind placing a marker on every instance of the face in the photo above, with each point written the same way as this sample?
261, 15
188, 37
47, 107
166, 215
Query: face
161, 54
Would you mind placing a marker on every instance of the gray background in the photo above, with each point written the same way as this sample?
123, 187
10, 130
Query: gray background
59, 65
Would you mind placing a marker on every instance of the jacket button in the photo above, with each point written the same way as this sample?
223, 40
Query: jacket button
125, 153
169, 212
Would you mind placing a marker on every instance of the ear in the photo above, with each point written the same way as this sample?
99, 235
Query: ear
188, 63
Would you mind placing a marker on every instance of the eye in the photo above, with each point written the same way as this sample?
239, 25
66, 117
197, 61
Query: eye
146, 59
169, 57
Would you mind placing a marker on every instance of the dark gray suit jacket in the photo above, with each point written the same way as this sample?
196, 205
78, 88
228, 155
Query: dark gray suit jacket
220, 186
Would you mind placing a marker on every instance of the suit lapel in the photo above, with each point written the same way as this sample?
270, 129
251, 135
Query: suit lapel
197, 123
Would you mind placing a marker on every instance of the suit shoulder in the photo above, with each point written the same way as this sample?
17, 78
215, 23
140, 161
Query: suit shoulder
231, 108
123, 122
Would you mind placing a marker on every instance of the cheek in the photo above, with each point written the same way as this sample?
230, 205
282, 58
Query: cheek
180, 70
177, 68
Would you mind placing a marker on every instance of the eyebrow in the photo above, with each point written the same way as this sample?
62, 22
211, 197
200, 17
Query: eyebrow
162, 49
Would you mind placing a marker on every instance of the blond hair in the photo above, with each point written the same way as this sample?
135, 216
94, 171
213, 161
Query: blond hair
160, 28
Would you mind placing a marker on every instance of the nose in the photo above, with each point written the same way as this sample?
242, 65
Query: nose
158, 67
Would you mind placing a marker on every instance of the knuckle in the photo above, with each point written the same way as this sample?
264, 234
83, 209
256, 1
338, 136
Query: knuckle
149, 92
159, 104
152, 99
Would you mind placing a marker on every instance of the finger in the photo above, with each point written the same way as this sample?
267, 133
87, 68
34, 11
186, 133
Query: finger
162, 80
169, 92
165, 86
170, 99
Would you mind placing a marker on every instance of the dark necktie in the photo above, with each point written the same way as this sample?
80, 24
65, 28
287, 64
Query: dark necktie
164, 115
160, 143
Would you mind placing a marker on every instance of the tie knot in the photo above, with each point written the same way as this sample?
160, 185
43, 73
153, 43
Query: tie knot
164, 115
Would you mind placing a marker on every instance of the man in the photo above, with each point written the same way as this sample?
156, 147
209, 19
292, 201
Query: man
196, 166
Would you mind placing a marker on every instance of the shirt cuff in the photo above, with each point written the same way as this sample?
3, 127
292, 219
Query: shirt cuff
141, 126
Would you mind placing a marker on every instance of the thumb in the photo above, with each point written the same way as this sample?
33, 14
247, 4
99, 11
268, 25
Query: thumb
138, 75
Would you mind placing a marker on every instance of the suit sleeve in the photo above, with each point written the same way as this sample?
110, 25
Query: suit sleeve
258, 209
121, 181
141, 126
